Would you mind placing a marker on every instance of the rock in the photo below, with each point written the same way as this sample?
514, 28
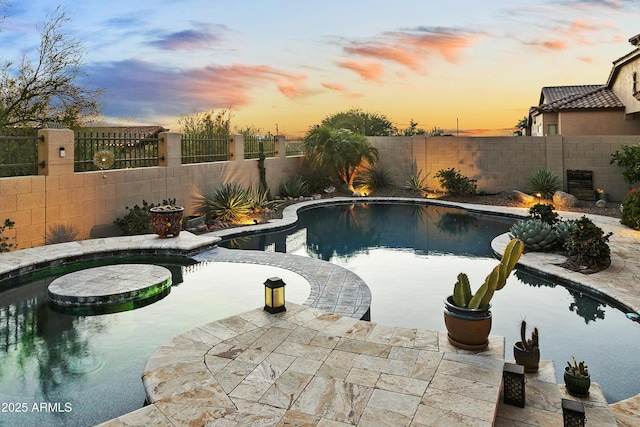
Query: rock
523, 198
562, 199
601, 204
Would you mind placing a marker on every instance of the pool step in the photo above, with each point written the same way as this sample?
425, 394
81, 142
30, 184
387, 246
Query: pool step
544, 399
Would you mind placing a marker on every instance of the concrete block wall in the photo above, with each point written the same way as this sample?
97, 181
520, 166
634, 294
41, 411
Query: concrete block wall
90, 202
505, 163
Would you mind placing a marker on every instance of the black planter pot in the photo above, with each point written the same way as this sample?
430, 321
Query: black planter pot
467, 328
577, 386
530, 359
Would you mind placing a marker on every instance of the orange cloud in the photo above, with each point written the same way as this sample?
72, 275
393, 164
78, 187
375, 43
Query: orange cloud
367, 70
334, 86
412, 48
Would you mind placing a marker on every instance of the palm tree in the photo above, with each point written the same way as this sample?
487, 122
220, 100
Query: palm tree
338, 152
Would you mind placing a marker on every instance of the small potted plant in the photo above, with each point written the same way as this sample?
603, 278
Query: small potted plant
166, 219
467, 316
576, 378
527, 350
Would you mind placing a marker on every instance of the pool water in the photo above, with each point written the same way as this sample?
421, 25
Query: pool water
410, 256
64, 370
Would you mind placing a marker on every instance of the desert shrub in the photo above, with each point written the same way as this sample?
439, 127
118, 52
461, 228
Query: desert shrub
629, 159
375, 178
138, 219
229, 202
61, 233
544, 182
455, 183
545, 213
294, 187
5, 245
588, 245
417, 183
631, 209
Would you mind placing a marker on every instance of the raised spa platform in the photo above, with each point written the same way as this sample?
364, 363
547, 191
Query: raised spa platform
111, 286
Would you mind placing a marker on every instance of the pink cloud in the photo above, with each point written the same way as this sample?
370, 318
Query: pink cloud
412, 48
141, 88
334, 86
367, 70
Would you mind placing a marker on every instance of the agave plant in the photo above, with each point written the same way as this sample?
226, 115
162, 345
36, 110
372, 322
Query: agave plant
563, 230
536, 234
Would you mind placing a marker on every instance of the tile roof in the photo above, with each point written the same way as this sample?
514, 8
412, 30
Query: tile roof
577, 97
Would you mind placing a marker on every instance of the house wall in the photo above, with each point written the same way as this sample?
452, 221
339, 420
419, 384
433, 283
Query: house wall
91, 201
623, 85
597, 123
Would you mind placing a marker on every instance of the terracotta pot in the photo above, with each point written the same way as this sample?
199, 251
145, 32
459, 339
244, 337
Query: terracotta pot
530, 359
577, 386
467, 328
165, 222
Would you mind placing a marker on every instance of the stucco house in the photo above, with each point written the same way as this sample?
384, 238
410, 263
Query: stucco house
609, 109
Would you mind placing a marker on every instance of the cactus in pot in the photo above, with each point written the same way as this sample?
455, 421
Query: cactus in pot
527, 350
462, 296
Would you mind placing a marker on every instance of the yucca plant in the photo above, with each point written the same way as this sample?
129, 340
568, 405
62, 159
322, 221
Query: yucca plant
376, 178
228, 203
417, 183
544, 182
260, 199
294, 187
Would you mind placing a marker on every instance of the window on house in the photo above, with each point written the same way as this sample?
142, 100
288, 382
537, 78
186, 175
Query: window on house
553, 130
635, 82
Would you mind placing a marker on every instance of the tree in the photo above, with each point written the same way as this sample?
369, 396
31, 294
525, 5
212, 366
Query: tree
413, 129
54, 89
436, 131
206, 124
338, 152
364, 123
521, 126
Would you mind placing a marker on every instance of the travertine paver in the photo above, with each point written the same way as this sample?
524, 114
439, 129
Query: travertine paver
189, 384
109, 285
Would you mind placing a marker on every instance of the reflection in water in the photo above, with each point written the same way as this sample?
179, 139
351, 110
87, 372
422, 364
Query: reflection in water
587, 308
456, 223
410, 255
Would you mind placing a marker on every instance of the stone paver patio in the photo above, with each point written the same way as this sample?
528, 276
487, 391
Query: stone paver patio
318, 364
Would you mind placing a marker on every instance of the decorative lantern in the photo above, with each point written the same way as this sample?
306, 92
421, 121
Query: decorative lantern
513, 384
274, 295
572, 413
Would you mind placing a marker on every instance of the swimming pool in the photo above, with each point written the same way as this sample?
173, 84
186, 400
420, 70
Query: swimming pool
410, 255
84, 370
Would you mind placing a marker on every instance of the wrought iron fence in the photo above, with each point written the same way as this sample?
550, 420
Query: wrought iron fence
294, 146
207, 149
254, 144
127, 150
18, 151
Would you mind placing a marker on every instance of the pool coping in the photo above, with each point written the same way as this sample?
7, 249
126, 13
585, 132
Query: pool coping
616, 282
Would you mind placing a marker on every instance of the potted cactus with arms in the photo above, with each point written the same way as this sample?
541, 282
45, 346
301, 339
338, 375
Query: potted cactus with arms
527, 350
467, 316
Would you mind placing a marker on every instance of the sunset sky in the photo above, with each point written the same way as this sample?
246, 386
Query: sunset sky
284, 65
